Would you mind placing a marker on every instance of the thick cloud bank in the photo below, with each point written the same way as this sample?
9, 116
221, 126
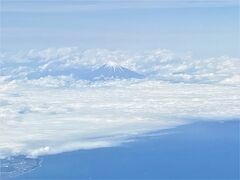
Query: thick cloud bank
54, 114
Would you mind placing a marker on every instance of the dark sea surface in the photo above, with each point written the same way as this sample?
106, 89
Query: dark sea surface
203, 150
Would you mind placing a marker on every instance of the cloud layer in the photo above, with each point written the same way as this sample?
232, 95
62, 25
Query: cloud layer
74, 6
159, 64
38, 120
54, 114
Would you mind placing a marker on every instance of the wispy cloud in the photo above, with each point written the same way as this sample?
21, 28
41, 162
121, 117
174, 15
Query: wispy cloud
73, 6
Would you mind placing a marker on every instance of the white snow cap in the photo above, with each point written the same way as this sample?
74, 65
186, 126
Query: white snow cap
113, 65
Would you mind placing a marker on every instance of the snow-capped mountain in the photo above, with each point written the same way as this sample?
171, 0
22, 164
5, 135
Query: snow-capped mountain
110, 70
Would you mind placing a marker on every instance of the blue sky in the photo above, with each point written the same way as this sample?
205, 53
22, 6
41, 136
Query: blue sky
205, 28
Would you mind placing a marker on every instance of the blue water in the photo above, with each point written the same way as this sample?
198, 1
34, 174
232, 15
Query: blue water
206, 150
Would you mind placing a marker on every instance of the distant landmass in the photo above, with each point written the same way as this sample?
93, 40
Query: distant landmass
107, 71
113, 71
17, 165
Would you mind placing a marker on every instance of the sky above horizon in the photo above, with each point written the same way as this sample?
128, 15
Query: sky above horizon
204, 28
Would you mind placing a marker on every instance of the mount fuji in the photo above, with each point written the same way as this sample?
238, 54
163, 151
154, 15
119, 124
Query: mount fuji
112, 70
107, 71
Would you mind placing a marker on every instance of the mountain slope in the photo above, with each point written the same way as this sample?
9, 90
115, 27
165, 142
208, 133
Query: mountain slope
114, 71
107, 71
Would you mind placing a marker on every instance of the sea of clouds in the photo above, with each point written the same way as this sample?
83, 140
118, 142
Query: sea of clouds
55, 114
159, 64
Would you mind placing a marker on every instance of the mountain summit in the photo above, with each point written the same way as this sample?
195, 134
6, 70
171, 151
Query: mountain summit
107, 71
113, 65
112, 70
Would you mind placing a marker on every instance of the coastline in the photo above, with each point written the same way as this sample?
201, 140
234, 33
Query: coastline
209, 149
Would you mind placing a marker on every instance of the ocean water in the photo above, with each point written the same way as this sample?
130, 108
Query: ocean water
202, 150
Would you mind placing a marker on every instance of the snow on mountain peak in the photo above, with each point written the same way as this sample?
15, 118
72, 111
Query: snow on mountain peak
113, 65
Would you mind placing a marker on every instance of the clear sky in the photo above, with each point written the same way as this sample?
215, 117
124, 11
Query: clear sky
203, 27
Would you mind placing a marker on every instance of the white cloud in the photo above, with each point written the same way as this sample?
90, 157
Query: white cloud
157, 64
102, 114
56, 114
234, 80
